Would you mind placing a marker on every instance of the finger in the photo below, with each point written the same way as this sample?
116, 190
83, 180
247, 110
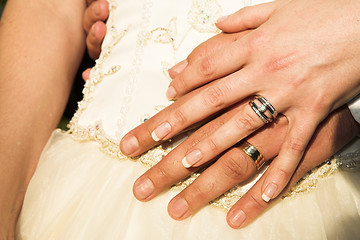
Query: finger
207, 48
196, 71
95, 38
187, 111
97, 11
246, 18
229, 170
245, 122
86, 74
329, 137
291, 153
170, 170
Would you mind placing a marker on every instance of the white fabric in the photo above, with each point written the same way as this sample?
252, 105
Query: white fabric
79, 192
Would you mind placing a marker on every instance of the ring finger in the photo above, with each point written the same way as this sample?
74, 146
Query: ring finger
232, 168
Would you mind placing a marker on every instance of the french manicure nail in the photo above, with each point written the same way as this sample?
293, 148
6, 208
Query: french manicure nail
191, 158
129, 144
178, 68
161, 131
143, 188
171, 93
179, 207
269, 192
236, 218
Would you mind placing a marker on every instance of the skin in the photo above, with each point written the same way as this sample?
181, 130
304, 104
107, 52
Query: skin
40, 72
202, 68
95, 15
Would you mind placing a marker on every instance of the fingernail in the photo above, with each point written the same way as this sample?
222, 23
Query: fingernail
178, 68
178, 208
221, 19
129, 144
143, 188
192, 158
171, 93
161, 131
236, 218
269, 192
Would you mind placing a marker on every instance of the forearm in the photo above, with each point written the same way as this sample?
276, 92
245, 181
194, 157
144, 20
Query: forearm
41, 44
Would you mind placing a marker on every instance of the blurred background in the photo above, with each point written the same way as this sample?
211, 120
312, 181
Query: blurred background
76, 92
2, 3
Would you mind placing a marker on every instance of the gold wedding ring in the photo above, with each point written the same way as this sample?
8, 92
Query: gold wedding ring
252, 152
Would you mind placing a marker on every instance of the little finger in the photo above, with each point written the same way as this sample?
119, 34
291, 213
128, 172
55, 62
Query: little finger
299, 134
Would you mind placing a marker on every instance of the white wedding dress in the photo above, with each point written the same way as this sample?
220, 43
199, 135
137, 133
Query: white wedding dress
82, 188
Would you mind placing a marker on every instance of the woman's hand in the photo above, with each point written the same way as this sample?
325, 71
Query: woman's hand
294, 59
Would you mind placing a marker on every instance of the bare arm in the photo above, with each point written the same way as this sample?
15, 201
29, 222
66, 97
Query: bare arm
41, 45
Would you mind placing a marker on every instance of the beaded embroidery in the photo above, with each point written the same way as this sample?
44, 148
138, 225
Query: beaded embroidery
201, 17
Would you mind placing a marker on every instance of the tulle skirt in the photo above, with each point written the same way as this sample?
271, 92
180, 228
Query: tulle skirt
78, 192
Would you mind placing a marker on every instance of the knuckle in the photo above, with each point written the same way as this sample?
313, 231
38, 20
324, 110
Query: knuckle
214, 97
320, 102
203, 132
256, 202
199, 52
235, 165
212, 145
284, 174
245, 121
202, 192
180, 84
207, 67
296, 145
162, 173
178, 118
213, 126
193, 142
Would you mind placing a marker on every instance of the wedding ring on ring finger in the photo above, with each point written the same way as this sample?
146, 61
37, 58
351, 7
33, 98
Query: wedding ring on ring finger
263, 109
253, 153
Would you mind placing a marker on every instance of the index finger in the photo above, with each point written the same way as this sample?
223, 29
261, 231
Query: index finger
190, 109
200, 71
